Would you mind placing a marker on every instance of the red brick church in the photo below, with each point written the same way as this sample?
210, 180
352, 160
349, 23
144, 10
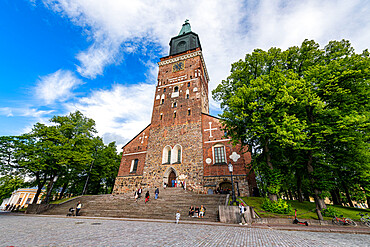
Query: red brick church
183, 142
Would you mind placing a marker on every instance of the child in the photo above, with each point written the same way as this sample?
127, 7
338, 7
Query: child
177, 217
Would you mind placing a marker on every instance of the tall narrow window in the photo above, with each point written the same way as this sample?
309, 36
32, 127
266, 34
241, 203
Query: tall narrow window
189, 112
162, 101
164, 90
169, 157
219, 154
176, 89
174, 115
179, 156
188, 84
174, 104
161, 117
134, 164
187, 96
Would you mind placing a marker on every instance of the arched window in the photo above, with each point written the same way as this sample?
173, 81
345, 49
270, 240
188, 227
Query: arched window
162, 99
166, 157
175, 89
134, 164
219, 154
176, 156
174, 104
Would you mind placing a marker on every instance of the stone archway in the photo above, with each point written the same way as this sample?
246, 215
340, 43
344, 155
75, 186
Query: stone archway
171, 178
225, 187
169, 175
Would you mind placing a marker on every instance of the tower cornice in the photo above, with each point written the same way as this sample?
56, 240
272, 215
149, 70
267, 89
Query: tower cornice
184, 57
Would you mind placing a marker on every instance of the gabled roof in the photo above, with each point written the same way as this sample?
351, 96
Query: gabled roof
136, 136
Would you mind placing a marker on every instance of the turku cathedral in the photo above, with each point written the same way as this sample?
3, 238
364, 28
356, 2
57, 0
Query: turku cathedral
183, 142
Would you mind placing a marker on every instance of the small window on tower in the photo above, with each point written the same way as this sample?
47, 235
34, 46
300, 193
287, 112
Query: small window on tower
187, 96
164, 90
189, 112
174, 115
161, 116
162, 101
176, 89
188, 84
174, 104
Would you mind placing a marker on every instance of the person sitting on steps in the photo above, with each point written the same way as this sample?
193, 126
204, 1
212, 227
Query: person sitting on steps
196, 212
202, 211
191, 211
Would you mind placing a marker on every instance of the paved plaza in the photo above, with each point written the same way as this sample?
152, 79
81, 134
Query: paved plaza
54, 231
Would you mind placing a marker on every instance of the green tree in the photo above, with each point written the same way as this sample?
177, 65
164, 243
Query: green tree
310, 102
8, 184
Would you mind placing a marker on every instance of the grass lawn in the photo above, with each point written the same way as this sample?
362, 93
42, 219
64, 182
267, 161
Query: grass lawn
306, 210
62, 200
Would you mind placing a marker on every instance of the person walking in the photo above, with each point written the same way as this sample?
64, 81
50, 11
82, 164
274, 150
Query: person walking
147, 196
139, 192
78, 208
242, 215
156, 193
177, 217
136, 195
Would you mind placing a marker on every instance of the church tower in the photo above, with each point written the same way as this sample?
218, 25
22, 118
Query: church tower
181, 96
183, 142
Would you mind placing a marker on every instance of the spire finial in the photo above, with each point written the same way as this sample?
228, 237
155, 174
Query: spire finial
185, 28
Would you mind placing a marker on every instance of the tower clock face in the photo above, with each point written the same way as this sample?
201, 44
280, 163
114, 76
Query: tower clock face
178, 66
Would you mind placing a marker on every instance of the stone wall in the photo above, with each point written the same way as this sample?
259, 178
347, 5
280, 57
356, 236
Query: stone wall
190, 170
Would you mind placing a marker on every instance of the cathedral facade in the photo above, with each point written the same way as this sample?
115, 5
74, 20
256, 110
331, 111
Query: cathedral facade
183, 142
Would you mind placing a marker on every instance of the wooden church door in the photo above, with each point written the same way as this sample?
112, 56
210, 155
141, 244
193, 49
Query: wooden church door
171, 177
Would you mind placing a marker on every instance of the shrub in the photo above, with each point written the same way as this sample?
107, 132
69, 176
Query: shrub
280, 206
330, 212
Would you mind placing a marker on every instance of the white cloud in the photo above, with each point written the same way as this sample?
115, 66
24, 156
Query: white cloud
227, 32
119, 113
6, 111
56, 86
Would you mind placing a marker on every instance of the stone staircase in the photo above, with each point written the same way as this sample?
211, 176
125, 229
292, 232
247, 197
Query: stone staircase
124, 206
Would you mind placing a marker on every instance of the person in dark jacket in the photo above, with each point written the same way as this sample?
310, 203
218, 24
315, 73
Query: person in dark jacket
156, 193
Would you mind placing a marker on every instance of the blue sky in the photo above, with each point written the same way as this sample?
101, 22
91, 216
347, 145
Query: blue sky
100, 57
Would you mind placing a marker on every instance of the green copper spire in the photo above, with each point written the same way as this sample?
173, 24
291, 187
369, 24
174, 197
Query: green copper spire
185, 28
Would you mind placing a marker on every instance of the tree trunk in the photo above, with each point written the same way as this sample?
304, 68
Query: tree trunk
50, 188
40, 184
368, 201
312, 182
299, 188
348, 196
286, 195
63, 189
272, 197
290, 195
335, 198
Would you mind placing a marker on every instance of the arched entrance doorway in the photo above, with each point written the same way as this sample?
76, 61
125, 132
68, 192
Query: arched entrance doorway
171, 177
225, 187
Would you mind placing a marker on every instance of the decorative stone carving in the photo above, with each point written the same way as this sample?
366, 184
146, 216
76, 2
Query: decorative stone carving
208, 161
234, 156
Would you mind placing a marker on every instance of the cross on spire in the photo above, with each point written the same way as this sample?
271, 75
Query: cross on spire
142, 138
210, 129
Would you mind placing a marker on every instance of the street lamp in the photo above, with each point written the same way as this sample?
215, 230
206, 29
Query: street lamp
232, 184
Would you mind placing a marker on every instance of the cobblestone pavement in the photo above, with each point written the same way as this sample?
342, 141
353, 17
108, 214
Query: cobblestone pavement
53, 231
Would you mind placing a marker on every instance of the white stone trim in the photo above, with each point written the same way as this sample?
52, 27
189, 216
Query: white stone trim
184, 57
223, 140
134, 153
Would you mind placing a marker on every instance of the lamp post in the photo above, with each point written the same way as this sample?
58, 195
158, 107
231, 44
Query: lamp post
232, 184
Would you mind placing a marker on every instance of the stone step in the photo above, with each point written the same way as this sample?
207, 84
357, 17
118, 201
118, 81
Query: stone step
170, 200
